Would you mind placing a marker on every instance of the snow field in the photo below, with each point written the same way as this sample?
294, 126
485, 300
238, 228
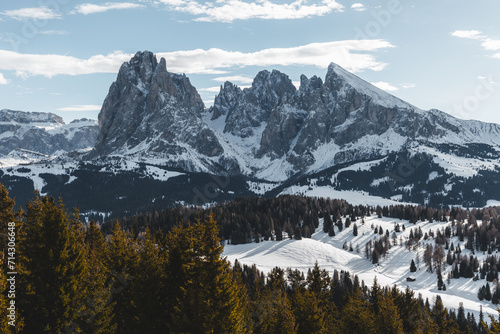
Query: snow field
393, 269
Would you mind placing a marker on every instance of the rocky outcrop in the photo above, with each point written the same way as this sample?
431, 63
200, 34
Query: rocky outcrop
152, 112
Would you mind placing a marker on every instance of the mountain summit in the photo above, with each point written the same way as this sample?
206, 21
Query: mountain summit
333, 134
150, 112
271, 130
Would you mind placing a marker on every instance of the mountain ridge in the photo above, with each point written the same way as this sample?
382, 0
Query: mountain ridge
276, 137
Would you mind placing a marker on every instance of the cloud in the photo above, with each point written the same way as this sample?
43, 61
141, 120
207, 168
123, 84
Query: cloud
234, 78
53, 32
385, 86
81, 107
408, 85
3, 80
487, 43
35, 13
353, 55
231, 10
491, 44
88, 8
472, 34
359, 7
215, 89
26, 65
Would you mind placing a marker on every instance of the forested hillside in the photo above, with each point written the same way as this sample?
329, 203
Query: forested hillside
170, 276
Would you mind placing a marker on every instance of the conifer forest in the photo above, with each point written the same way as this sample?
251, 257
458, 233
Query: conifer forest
164, 271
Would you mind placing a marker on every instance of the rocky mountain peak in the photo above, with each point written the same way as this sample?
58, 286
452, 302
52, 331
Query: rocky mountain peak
270, 88
140, 67
152, 112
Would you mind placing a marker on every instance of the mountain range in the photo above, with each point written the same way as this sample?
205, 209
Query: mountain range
156, 145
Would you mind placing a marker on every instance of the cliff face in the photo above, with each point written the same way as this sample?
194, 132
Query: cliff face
271, 130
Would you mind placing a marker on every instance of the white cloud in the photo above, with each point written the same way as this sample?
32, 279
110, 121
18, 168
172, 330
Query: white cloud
3, 80
36, 13
385, 86
88, 8
359, 7
53, 32
231, 10
491, 44
215, 89
81, 107
26, 65
472, 34
487, 43
408, 85
353, 55
234, 78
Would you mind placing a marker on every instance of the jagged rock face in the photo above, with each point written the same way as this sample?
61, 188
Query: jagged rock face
44, 133
247, 109
354, 118
150, 110
270, 130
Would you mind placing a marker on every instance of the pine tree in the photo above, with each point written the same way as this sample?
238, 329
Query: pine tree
357, 317
147, 287
309, 315
388, 320
272, 313
9, 229
327, 222
318, 280
51, 252
203, 295
96, 311
413, 267
122, 262
439, 314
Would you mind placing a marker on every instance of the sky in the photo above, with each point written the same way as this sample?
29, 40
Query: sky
61, 56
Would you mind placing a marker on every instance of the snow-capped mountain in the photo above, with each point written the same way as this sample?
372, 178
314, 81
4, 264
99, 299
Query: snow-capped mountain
336, 134
43, 133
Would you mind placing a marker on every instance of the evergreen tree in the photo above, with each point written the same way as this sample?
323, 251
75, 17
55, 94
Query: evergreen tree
440, 317
357, 317
147, 288
52, 254
9, 229
327, 222
413, 267
272, 313
309, 315
96, 311
122, 262
388, 320
203, 295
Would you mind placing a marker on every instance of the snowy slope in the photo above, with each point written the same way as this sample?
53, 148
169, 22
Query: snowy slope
393, 269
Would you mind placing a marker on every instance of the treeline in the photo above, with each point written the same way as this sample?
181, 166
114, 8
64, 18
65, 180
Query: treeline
73, 279
252, 219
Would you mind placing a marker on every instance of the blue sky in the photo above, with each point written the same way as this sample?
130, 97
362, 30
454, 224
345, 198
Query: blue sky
61, 56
